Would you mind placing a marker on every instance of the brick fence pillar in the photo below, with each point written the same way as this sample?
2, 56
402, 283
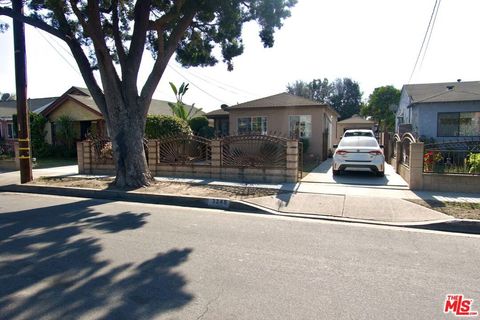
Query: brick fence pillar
152, 156
291, 173
87, 157
80, 158
216, 154
416, 166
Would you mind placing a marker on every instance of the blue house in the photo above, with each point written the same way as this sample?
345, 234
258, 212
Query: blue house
440, 111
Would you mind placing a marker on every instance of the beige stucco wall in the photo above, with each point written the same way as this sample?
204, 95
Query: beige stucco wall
74, 111
277, 121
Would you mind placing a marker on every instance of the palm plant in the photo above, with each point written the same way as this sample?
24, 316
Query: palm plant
180, 109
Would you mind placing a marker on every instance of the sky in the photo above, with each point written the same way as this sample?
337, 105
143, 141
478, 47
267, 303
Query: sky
373, 42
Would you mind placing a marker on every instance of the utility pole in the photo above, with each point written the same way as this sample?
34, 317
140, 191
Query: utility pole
21, 87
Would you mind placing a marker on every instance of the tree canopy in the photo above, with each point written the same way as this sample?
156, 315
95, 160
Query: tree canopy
104, 33
343, 95
381, 105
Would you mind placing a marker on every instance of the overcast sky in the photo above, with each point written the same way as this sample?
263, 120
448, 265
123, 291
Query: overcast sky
374, 42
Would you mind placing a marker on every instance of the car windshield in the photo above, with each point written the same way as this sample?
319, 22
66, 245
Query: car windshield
358, 134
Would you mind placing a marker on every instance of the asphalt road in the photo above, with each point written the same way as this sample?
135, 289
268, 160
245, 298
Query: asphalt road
70, 258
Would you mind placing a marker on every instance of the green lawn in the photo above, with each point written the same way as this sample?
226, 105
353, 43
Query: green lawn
54, 162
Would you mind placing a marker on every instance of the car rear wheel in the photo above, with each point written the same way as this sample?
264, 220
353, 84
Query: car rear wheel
336, 172
380, 174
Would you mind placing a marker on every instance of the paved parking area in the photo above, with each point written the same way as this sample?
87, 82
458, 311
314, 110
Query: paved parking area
323, 174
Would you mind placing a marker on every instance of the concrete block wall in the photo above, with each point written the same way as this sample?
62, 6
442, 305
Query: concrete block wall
214, 170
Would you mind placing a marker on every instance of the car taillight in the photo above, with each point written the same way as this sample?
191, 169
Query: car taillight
342, 152
375, 152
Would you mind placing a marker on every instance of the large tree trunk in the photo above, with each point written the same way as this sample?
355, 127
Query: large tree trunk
127, 129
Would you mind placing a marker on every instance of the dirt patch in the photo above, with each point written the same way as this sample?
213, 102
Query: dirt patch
162, 187
460, 210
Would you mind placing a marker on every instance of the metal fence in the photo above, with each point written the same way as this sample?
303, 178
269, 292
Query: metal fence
405, 140
7, 150
184, 149
459, 157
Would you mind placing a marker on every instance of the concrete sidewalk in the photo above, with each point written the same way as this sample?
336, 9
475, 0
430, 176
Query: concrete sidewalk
368, 203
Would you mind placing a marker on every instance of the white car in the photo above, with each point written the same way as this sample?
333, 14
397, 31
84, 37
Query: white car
358, 151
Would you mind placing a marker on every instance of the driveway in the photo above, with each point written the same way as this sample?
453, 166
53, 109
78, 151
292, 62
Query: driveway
323, 174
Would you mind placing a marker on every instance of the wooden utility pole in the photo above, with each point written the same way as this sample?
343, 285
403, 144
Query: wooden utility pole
21, 87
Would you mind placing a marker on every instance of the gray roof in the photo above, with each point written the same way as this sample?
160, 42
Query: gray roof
217, 113
356, 119
443, 92
9, 108
279, 100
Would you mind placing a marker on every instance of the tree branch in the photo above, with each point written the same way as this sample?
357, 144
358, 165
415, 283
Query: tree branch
34, 23
116, 34
162, 61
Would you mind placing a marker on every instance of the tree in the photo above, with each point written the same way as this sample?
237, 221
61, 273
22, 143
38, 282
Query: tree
103, 33
180, 109
380, 106
343, 95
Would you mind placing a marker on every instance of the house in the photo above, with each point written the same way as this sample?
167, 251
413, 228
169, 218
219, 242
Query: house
282, 114
440, 111
9, 108
354, 122
79, 106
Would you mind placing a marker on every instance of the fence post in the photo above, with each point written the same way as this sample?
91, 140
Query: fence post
17, 154
216, 154
398, 154
80, 158
152, 156
291, 172
416, 165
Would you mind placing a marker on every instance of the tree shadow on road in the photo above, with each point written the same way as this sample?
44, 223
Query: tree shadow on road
51, 267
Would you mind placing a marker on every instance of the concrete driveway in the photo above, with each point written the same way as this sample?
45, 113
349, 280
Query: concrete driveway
323, 174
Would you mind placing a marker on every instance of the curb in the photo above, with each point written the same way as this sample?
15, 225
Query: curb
455, 225
172, 200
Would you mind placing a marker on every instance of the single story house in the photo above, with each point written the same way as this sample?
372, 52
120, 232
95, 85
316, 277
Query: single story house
282, 114
79, 106
354, 122
9, 108
440, 111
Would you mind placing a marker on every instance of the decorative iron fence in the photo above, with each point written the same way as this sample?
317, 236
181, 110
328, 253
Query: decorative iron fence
184, 149
101, 150
459, 157
257, 151
405, 140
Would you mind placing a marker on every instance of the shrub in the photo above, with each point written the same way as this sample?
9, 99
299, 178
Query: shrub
474, 162
40, 148
161, 126
197, 123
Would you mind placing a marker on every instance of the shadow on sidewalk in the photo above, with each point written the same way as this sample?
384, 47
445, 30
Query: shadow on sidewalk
457, 226
51, 267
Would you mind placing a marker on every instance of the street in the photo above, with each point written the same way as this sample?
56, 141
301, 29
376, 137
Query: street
74, 258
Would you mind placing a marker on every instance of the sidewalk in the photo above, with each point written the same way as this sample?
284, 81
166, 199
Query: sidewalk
324, 200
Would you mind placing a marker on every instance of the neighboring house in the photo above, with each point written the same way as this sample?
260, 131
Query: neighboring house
220, 119
282, 114
9, 108
354, 122
440, 111
79, 106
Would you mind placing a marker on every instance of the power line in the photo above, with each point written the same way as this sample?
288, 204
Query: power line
58, 52
424, 38
430, 35
196, 86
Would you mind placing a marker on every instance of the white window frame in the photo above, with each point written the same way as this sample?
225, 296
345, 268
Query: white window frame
307, 119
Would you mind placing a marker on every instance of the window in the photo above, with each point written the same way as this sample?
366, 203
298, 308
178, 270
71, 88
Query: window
256, 125
10, 131
458, 124
300, 126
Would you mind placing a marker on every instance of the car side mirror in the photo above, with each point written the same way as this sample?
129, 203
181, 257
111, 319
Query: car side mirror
335, 146
382, 146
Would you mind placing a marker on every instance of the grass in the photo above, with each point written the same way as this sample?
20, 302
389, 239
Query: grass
460, 210
54, 162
